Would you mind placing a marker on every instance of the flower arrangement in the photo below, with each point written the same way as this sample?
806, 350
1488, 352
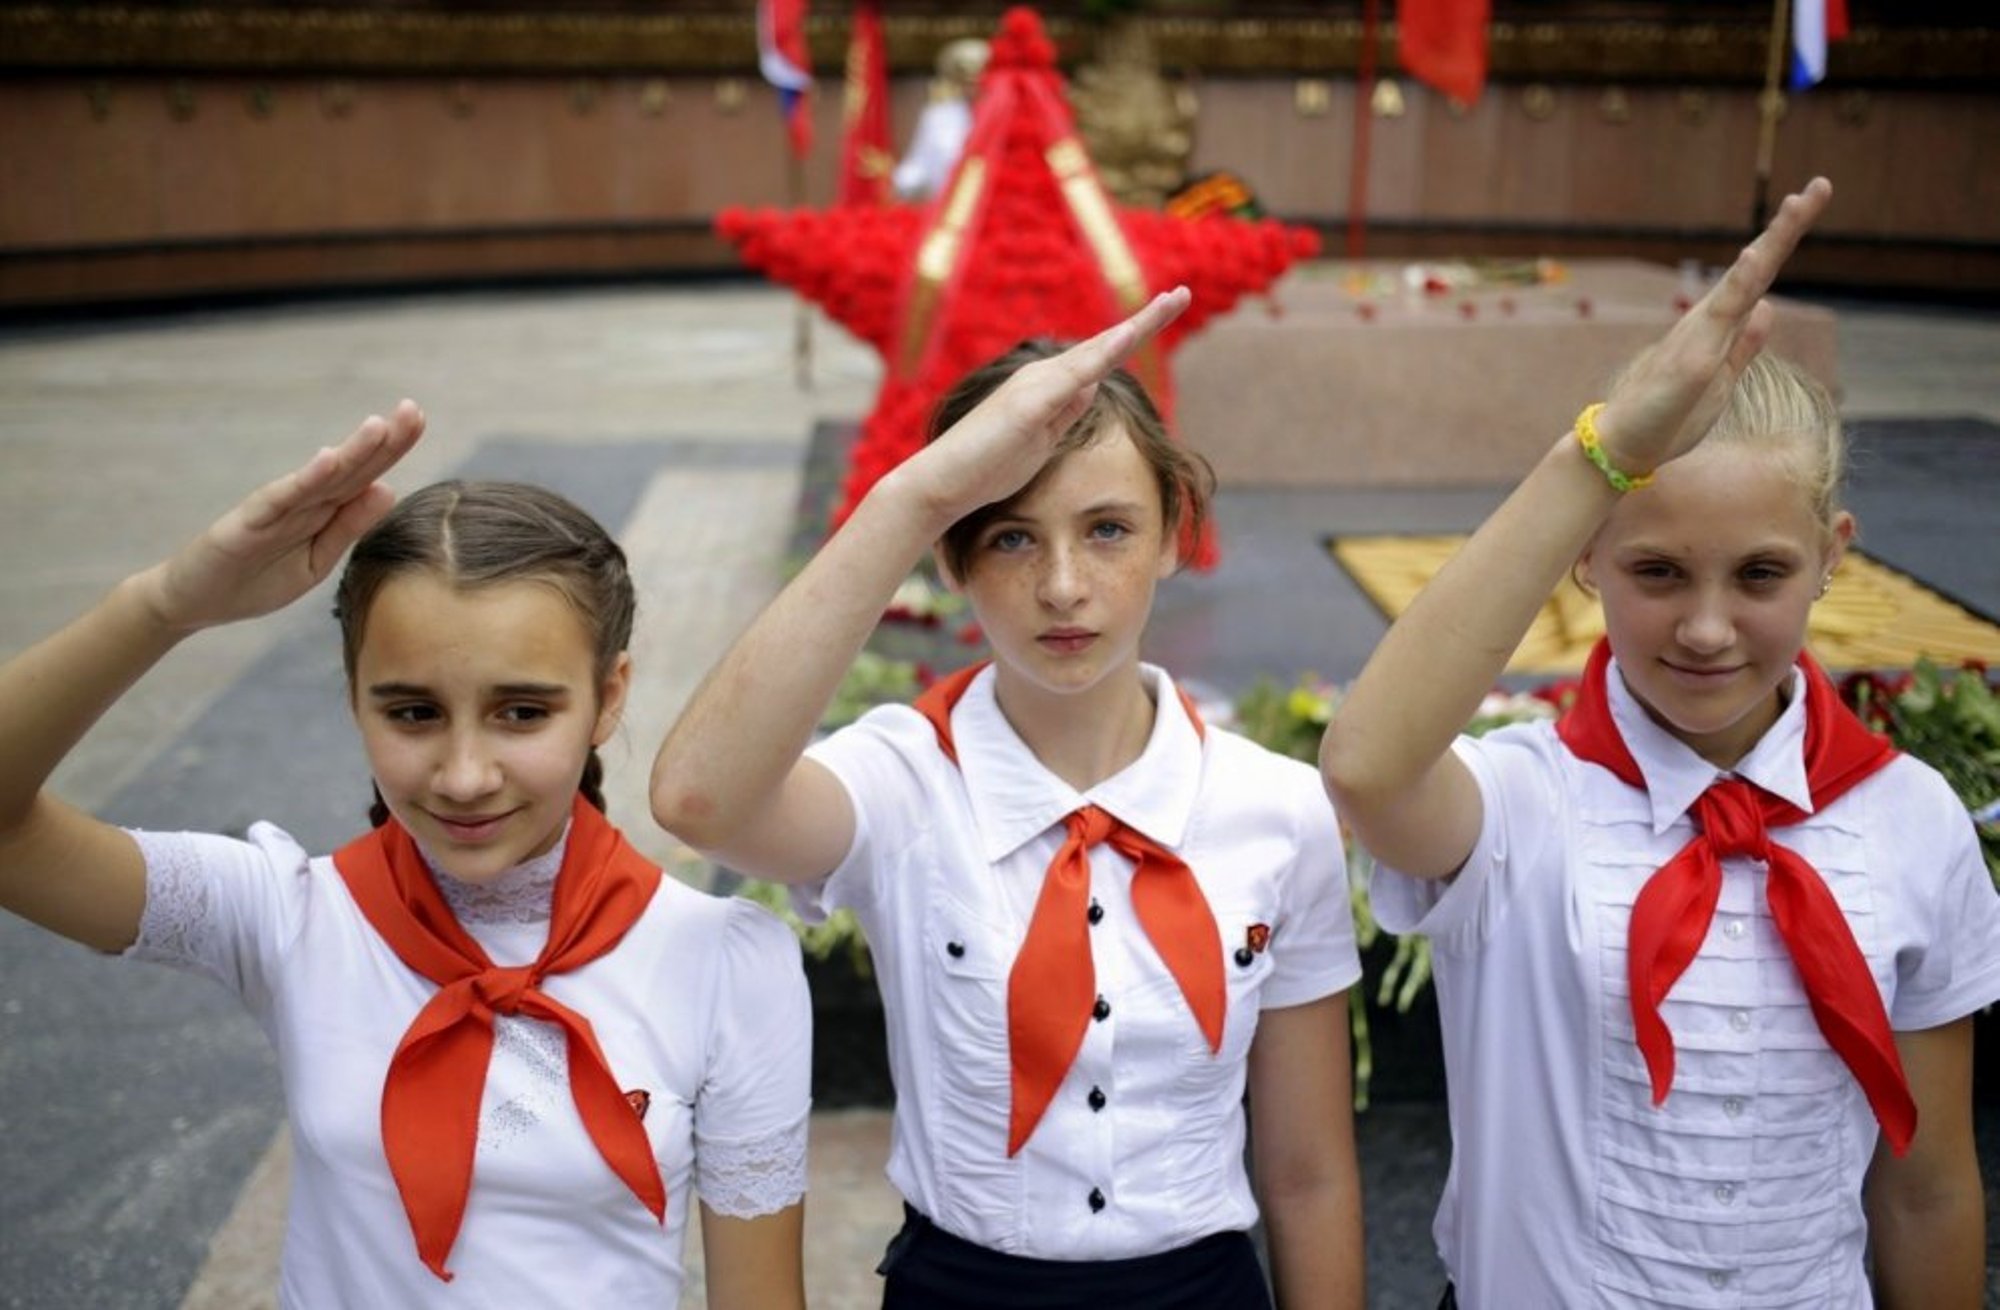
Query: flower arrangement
1951, 721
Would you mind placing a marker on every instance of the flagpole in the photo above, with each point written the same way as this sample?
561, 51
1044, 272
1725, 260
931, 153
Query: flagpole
802, 342
1364, 113
1769, 108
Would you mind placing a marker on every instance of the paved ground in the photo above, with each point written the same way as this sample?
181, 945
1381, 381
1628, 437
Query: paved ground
143, 1165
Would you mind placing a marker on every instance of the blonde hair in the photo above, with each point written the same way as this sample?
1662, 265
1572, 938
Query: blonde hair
1777, 401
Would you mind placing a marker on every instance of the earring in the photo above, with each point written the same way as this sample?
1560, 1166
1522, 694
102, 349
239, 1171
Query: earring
1825, 585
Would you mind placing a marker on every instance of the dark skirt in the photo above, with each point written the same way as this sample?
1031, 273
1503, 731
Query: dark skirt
929, 1269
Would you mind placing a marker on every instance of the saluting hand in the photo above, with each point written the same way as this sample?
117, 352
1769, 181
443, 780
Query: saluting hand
1672, 394
288, 535
1002, 444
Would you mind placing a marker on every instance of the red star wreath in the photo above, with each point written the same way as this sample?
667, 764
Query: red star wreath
1023, 242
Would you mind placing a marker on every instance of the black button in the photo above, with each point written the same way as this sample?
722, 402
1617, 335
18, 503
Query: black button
1245, 956
1096, 1200
1097, 1098
1101, 1011
1096, 912
956, 950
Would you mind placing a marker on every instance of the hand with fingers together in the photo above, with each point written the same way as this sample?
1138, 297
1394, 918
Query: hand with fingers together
1003, 443
1669, 398
287, 536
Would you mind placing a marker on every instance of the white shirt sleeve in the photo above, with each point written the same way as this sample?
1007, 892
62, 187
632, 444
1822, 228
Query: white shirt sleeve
1522, 823
871, 759
220, 906
751, 1113
1957, 969
1316, 953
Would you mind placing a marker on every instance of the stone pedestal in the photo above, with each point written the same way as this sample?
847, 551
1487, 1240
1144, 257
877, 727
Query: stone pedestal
1349, 384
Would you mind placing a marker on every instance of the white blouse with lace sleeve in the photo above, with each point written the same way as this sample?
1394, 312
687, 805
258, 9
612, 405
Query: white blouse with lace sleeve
750, 1115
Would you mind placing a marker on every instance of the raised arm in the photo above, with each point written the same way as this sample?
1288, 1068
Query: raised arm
60, 867
1386, 757
731, 778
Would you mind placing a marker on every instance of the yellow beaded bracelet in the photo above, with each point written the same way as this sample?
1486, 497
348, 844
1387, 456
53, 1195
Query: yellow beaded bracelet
1593, 447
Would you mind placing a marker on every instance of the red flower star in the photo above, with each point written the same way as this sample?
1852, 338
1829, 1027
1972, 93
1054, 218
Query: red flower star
1023, 242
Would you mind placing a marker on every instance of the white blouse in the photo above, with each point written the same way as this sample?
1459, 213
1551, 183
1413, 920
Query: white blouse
1567, 1185
702, 1006
1141, 1150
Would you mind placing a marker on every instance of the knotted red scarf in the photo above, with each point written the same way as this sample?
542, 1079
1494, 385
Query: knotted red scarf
430, 1099
1734, 817
1053, 985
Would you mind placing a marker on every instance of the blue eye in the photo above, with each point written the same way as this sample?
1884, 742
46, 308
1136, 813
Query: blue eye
1110, 530
1765, 575
1007, 539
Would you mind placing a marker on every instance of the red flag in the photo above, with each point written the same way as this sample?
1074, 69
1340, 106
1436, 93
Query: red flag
865, 158
1443, 42
786, 64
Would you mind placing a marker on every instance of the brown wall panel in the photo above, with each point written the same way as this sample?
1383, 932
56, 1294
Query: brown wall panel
290, 178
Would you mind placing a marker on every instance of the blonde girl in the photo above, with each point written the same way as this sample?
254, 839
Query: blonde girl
1095, 920
510, 1048
1707, 950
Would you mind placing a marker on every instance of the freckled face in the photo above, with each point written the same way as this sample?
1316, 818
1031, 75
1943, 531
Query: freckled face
478, 709
1062, 584
1707, 579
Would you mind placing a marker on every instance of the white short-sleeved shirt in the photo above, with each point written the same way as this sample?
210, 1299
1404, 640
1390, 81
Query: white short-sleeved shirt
702, 1006
944, 873
1567, 1186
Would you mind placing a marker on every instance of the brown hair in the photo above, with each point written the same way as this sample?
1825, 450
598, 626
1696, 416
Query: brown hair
476, 534
1186, 481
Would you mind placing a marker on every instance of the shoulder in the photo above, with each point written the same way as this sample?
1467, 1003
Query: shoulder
895, 730
1249, 792
1527, 762
1907, 811
753, 936
1249, 770
889, 757
724, 926
1913, 786
759, 971
266, 854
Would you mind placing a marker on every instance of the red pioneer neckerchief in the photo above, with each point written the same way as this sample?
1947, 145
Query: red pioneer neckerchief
1734, 817
1053, 984
430, 1098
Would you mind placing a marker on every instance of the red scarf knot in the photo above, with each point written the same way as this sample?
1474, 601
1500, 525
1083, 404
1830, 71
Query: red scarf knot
1052, 986
431, 1094
1671, 916
1731, 815
502, 989
1089, 826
